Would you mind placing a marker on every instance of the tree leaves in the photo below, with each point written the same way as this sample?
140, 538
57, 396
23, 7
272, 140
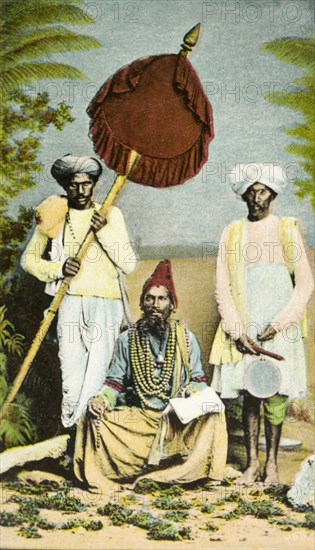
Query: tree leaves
31, 72
47, 41
295, 51
21, 16
301, 98
17, 428
9, 339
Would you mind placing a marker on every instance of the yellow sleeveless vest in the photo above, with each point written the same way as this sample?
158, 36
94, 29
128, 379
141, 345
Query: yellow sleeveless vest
223, 348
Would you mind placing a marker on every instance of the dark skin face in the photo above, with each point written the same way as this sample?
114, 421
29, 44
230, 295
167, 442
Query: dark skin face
258, 198
157, 304
80, 191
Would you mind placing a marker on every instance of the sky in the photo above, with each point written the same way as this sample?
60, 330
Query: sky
235, 75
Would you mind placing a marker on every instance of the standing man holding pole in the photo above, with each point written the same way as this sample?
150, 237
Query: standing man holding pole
92, 310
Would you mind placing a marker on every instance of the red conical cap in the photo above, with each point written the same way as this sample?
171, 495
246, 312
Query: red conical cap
162, 276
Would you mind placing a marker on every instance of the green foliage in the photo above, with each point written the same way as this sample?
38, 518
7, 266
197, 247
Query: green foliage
207, 508
50, 40
233, 497
261, 510
169, 503
144, 520
60, 500
26, 300
278, 492
13, 235
24, 119
309, 522
9, 339
44, 524
167, 531
176, 515
29, 532
295, 51
173, 491
7, 519
87, 525
33, 488
56, 496
28, 36
129, 499
118, 514
146, 486
16, 427
212, 528
28, 515
299, 52
110, 509
27, 16
32, 32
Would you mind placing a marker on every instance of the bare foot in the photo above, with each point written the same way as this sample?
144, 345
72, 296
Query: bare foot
250, 475
271, 474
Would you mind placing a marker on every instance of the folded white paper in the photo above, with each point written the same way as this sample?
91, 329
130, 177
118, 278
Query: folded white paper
206, 401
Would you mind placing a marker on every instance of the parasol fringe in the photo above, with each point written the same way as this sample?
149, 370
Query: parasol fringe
186, 81
164, 172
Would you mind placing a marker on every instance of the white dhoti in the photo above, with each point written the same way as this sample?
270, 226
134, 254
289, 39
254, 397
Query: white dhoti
268, 290
88, 328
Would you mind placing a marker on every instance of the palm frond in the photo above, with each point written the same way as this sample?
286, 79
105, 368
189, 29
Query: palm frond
307, 81
308, 167
294, 51
301, 150
8, 338
3, 388
43, 12
305, 189
297, 101
47, 41
302, 131
31, 72
18, 428
15, 344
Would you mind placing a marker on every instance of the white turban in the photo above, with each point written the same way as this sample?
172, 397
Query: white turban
247, 174
70, 165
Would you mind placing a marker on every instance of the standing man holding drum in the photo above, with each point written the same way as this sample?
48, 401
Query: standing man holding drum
263, 285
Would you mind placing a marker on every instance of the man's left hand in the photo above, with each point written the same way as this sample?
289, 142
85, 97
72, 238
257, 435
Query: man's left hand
97, 406
98, 221
268, 334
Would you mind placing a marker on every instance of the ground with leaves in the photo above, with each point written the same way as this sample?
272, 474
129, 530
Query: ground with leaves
51, 513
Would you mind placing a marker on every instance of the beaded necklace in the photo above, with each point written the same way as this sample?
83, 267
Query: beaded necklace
143, 367
68, 221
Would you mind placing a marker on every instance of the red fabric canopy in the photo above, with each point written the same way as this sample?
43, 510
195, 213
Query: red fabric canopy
157, 107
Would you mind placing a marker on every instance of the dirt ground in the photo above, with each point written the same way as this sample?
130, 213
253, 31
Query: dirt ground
246, 531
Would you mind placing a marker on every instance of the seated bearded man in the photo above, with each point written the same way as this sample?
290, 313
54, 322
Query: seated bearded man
156, 359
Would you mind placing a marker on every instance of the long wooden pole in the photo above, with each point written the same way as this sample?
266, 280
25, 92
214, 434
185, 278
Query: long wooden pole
118, 185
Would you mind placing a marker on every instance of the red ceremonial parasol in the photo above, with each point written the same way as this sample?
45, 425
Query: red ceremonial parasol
157, 107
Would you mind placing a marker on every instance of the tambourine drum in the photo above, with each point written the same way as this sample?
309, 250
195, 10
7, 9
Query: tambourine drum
262, 378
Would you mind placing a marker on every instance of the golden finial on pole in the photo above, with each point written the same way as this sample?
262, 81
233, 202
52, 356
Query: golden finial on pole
190, 40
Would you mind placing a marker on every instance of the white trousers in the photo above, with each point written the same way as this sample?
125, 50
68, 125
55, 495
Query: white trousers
88, 328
